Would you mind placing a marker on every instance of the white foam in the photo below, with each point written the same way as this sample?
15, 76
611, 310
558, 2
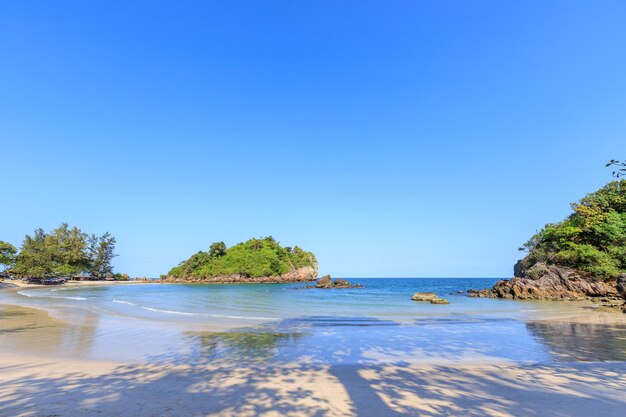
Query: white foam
115, 300
186, 313
50, 296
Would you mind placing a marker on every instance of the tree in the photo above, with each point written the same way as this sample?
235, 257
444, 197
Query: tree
7, 254
69, 250
35, 257
64, 252
101, 254
621, 167
217, 249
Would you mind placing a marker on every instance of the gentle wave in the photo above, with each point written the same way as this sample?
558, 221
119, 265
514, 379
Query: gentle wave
50, 296
124, 302
186, 313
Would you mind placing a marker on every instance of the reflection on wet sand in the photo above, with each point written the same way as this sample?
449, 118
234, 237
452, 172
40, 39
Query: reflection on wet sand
28, 330
237, 345
576, 341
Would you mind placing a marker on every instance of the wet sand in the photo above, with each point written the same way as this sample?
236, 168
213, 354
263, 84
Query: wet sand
48, 368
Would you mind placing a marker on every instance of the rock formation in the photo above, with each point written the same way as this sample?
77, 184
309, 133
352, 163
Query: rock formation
327, 282
429, 296
304, 274
621, 289
549, 282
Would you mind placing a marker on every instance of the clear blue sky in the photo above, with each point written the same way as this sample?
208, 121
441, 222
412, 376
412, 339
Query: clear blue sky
392, 138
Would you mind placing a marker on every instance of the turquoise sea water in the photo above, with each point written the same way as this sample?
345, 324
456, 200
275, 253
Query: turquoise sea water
283, 322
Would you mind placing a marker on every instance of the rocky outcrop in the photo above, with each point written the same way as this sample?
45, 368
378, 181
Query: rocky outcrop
424, 296
621, 289
549, 282
327, 282
304, 274
430, 297
324, 282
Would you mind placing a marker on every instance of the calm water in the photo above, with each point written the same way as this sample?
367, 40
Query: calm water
275, 322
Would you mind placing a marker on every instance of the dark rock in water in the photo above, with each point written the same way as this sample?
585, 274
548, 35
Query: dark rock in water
327, 282
324, 282
549, 282
341, 283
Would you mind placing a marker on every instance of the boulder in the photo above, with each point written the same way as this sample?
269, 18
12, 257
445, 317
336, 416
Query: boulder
424, 296
621, 286
439, 301
341, 283
621, 289
324, 282
327, 282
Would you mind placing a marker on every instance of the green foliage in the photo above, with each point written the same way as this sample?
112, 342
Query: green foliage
121, 277
217, 249
64, 252
621, 167
7, 254
591, 239
253, 258
101, 254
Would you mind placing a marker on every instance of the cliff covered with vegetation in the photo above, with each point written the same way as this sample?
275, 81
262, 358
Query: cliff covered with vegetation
581, 256
256, 260
591, 239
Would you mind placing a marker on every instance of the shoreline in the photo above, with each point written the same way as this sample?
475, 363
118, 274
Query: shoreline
68, 381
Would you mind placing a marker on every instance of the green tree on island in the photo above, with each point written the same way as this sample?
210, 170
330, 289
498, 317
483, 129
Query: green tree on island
217, 249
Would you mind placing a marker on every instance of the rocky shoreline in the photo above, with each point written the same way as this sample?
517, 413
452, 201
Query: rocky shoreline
304, 274
554, 282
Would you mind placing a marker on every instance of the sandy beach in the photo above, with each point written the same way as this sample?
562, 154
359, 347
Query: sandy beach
31, 386
39, 377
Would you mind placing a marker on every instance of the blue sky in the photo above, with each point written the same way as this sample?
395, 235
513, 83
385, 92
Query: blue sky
393, 139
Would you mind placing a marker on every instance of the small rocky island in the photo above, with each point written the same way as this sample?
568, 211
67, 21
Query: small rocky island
581, 257
327, 282
430, 297
261, 260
